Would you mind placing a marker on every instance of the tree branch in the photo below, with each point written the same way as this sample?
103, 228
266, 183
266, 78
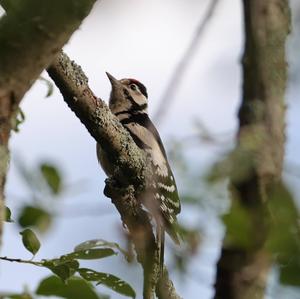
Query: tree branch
131, 171
31, 35
8, 259
242, 271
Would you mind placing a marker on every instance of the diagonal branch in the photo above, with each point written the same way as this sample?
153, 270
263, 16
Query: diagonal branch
131, 169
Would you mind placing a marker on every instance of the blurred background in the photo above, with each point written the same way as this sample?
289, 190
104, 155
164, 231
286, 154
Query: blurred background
145, 40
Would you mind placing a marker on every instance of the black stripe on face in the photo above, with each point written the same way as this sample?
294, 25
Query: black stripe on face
134, 105
133, 111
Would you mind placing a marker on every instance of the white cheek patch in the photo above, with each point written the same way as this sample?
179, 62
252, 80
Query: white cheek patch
139, 99
154, 149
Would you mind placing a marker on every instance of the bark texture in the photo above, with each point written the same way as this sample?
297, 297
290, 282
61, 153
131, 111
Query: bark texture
31, 35
242, 271
131, 171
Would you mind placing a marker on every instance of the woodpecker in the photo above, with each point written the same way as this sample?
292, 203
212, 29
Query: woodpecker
129, 102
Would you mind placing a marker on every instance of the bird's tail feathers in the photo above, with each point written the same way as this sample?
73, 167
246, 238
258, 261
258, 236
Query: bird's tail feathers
160, 237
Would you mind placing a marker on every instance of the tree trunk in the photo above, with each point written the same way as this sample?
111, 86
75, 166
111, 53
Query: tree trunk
31, 35
242, 271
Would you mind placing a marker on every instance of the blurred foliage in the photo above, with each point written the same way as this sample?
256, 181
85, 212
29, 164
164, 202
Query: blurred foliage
66, 283
91, 245
279, 212
49, 84
63, 268
67, 265
52, 177
284, 234
32, 216
30, 241
237, 165
19, 296
76, 288
108, 280
7, 216
239, 226
243, 224
45, 182
20, 118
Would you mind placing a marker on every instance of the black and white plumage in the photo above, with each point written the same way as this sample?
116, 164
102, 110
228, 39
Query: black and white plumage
129, 102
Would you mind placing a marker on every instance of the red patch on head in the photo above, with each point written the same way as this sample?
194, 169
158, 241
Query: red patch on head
140, 85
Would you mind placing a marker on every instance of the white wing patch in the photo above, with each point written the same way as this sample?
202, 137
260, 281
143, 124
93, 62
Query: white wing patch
166, 187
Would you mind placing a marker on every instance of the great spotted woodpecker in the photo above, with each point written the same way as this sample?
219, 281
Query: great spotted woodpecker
129, 102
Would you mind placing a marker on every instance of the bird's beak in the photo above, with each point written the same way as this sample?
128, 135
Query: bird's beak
112, 79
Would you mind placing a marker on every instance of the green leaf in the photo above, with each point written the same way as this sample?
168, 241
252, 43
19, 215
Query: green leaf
7, 215
49, 86
64, 269
36, 217
109, 280
52, 177
91, 254
10, 6
289, 274
237, 165
100, 243
76, 288
239, 226
20, 296
66, 265
283, 239
30, 241
20, 118
284, 217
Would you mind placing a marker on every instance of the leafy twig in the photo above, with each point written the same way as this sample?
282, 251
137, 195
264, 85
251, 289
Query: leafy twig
8, 259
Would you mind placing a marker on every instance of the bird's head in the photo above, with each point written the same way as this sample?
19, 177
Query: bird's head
127, 95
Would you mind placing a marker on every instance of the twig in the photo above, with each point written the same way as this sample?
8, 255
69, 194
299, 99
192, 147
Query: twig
8, 259
180, 69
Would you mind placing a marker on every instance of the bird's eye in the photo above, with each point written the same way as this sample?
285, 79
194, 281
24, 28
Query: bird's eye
133, 87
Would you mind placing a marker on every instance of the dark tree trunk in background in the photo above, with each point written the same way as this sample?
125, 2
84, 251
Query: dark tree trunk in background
242, 271
31, 35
